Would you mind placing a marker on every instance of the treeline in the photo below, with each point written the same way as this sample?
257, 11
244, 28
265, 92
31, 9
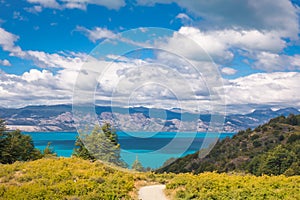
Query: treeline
272, 149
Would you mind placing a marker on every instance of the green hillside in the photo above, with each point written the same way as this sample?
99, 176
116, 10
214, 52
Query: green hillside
273, 149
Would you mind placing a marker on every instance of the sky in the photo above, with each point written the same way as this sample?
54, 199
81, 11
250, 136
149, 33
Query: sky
189, 54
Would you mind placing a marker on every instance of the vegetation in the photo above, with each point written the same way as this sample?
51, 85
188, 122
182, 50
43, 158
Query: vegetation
14, 146
75, 178
63, 178
49, 151
232, 186
272, 149
137, 165
101, 144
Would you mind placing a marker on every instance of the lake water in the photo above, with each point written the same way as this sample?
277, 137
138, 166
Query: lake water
148, 147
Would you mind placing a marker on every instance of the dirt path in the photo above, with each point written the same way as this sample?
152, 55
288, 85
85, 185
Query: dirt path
152, 192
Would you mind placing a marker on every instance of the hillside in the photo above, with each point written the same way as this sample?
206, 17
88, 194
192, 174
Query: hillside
273, 148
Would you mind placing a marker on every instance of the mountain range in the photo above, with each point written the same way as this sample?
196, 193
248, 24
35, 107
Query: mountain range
59, 118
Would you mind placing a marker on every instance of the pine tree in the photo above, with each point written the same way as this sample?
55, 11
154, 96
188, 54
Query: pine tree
49, 151
137, 165
101, 143
81, 151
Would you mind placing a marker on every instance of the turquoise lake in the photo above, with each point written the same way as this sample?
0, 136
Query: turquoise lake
149, 147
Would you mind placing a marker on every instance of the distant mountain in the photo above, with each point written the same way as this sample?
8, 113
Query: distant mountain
256, 118
272, 148
59, 118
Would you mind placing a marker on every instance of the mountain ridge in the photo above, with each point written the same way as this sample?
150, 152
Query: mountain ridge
59, 117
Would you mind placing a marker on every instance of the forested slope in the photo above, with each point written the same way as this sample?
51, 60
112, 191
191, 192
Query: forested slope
272, 148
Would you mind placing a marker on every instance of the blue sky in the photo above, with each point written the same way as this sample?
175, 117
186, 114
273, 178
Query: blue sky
254, 45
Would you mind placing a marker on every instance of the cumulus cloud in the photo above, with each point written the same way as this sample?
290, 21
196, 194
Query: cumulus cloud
97, 33
5, 62
33, 87
279, 62
126, 82
228, 71
278, 88
55, 60
252, 29
42, 87
78, 4
219, 41
218, 44
265, 15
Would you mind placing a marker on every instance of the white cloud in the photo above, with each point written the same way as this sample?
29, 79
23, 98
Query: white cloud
271, 61
228, 71
124, 82
278, 88
7, 42
36, 75
45, 3
34, 9
221, 40
55, 60
33, 87
97, 33
184, 18
81, 4
219, 43
78, 4
264, 15
5, 62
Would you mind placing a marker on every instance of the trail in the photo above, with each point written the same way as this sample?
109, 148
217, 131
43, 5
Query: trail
152, 192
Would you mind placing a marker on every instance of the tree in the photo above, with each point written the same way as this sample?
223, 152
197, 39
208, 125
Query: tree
276, 161
81, 151
14, 146
101, 143
49, 151
292, 120
137, 165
